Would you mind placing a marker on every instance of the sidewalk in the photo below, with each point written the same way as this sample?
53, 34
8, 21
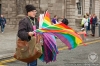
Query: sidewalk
8, 42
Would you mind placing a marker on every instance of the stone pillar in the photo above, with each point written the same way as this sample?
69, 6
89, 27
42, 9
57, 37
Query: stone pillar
86, 6
70, 12
97, 8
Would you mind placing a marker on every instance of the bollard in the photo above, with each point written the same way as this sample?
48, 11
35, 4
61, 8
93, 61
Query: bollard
99, 29
96, 31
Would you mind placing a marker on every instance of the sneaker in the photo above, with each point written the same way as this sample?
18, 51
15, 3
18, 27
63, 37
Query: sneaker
82, 29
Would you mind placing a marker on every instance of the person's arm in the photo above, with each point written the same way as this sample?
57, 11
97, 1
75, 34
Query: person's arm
22, 31
5, 20
96, 19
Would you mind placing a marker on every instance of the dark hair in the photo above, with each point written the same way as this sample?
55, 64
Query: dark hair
87, 14
55, 16
84, 16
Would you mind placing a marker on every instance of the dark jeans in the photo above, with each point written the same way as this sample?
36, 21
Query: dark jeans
88, 26
2, 28
34, 63
93, 29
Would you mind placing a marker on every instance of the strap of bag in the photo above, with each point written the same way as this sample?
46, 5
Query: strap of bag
32, 22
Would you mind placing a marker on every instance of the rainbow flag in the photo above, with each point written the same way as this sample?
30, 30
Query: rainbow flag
50, 50
46, 21
41, 17
64, 33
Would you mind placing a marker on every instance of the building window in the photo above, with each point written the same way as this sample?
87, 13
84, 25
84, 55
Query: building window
91, 7
80, 7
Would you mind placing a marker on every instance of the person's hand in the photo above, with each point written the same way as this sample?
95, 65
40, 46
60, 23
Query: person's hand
30, 33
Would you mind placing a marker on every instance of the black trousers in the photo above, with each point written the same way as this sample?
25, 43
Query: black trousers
93, 29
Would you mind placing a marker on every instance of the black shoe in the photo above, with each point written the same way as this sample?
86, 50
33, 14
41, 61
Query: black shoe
93, 35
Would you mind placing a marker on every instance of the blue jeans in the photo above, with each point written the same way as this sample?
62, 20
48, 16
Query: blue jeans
88, 26
86, 30
2, 28
34, 63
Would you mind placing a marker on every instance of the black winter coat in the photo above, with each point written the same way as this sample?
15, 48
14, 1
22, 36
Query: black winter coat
65, 21
25, 26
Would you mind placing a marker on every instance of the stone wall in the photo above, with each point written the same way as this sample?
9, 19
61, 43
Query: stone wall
55, 7
70, 12
97, 9
86, 6
9, 10
14, 10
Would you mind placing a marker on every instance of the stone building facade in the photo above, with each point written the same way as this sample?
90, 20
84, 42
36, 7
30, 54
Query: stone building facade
73, 10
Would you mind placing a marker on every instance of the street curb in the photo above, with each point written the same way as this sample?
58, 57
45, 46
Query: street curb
92, 39
4, 56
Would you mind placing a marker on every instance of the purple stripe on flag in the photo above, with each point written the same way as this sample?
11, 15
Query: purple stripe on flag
63, 39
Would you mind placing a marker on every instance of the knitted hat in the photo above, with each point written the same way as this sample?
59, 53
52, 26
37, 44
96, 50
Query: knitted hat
29, 8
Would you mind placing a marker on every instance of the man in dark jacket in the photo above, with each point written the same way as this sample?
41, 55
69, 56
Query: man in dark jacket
94, 21
26, 29
2, 23
65, 21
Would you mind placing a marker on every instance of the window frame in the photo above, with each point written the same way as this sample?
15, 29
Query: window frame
91, 6
80, 8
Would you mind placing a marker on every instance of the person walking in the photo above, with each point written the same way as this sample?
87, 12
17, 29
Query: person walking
85, 24
26, 27
2, 23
